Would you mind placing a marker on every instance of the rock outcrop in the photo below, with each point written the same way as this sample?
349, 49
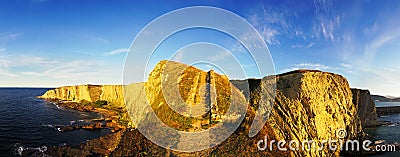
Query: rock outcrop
91, 93
310, 105
365, 107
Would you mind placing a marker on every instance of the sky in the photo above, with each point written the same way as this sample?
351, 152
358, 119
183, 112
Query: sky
51, 43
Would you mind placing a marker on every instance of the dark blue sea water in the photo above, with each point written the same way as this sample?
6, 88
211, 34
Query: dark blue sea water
383, 104
389, 133
25, 122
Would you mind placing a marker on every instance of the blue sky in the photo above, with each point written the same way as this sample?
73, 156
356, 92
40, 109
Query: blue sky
50, 43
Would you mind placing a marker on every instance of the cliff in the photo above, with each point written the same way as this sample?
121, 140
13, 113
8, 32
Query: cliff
366, 109
309, 105
187, 98
91, 93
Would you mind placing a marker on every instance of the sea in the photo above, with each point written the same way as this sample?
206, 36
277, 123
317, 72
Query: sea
388, 133
26, 122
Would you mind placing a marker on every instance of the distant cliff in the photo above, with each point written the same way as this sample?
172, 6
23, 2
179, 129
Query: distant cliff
385, 99
365, 107
91, 93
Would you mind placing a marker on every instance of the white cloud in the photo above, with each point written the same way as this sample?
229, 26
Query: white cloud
29, 67
178, 56
269, 24
5, 64
115, 52
7, 73
380, 81
308, 66
372, 48
311, 44
220, 56
69, 70
348, 66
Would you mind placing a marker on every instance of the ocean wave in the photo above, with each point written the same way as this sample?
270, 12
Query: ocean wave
393, 124
59, 107
49, 125
21, 149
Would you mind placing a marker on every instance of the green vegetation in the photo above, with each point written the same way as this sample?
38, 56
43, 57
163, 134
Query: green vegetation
100, 103
97, 104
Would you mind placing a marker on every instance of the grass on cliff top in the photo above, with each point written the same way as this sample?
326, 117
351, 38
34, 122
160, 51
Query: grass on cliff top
123, 116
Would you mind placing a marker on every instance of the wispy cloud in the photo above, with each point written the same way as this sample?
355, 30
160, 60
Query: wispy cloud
303, 46
37, 66
279, 26
220, 56
5, 64
82, 35
372, 48
178, 56
269, 24
70, 70
115, 52
309, 66
9, 36
310, 45
327, 22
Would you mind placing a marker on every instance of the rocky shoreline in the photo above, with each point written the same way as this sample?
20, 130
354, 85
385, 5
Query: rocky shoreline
102, 146
108, 118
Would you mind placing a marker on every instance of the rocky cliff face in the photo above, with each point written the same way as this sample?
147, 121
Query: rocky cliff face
309, 105
314, 105
365, 107
91, 93
187, 98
